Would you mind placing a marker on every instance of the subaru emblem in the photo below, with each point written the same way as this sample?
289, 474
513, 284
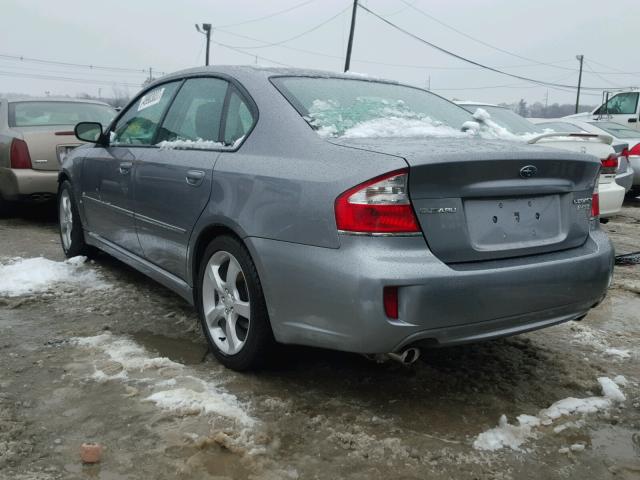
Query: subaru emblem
528, 171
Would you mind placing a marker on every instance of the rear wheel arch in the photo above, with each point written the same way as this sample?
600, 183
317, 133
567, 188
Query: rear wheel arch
204, 239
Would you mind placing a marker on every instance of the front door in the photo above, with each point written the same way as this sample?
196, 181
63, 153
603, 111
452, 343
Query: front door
108, 171
173, 180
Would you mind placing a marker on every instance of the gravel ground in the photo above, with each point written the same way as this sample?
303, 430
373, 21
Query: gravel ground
126, 366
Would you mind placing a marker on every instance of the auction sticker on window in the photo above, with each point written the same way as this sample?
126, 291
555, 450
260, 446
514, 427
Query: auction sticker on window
151, 99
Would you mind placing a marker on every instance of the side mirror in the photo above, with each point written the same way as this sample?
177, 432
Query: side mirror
88, 131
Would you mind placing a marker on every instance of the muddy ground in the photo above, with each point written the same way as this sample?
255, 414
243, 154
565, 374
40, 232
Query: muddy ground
314, 414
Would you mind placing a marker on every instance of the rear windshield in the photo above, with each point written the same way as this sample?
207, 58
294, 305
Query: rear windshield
617, 130
508, 119
338, 107
33, 114
561, 127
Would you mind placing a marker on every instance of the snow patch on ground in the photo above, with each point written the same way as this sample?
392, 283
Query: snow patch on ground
513, 436
182, 393
25, 276
596, 339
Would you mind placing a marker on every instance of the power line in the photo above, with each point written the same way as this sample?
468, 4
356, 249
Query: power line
69, 64
271, 15
68, 79
239, 50
357, 60
472, 62
590, 70
286, 40
482, 42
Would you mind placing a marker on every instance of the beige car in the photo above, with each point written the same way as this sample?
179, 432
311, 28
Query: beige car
35, 136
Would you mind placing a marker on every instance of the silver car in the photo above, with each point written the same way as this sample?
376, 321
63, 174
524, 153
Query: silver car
337, 211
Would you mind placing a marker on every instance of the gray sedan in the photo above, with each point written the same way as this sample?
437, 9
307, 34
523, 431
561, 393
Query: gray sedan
337, 211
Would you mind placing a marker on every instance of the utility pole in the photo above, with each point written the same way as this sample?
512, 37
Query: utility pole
205, 30
150, 74
580, 58
347, 62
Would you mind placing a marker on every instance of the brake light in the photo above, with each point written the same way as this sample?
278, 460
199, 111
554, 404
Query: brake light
610, 164
595, 203
378, 206
19, 154
390, 300
635, 150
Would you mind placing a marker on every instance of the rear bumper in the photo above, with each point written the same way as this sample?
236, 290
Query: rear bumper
634, 161
333, 297
27, 184
625, 180
611, 198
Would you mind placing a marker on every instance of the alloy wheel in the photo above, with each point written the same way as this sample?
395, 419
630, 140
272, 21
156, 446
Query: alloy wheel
226, 303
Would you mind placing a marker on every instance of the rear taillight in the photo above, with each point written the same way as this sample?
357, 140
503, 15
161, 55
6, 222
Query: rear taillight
595, 203
19, 154
635, 150
610, 164
379, 206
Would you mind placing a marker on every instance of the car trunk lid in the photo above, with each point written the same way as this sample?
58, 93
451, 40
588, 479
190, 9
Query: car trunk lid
48, 146
477, 199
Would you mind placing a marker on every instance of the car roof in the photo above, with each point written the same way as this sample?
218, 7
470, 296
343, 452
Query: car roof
258, 71
55, 99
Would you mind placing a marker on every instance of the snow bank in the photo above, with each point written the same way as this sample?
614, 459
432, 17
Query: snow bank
513, 436
24, 276
183, 392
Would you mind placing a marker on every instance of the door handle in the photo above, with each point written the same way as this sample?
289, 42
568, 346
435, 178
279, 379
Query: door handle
632, 120
125, 167
194, 177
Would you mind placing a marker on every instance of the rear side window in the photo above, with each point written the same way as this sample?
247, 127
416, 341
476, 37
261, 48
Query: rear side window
138, 125
196, 112
620, 104
239, 120
34, 114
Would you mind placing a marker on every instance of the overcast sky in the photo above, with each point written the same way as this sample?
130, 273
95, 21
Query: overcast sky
144, 33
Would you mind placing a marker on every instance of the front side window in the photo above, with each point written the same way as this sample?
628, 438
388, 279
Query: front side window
344, 107
32, 114
138, 125
621, 104
239, 120
195, 115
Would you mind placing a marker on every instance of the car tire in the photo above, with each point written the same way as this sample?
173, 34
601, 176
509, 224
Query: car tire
70, 225
236, 324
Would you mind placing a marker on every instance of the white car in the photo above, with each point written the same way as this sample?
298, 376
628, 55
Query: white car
629, 177
599, 145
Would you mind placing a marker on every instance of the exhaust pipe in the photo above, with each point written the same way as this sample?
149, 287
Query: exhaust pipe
405, 357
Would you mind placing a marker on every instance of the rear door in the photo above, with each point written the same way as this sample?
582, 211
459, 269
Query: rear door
173, 179
622, 108
108, 171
